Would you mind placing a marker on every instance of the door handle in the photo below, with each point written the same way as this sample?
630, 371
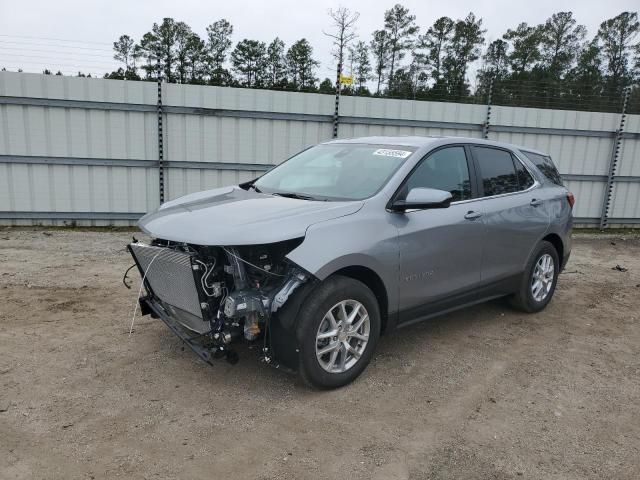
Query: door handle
471, 215
535, 202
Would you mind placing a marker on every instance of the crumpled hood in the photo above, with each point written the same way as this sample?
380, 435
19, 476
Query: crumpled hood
234, 216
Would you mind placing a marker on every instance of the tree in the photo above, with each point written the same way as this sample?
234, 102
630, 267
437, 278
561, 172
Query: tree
616, 36
301, 65
436, 41
560, 40
417, 72
124, 50
495, 67
159, 45
380, 49
184, 40
196, 59
276, 64
344, 23
525, 48
463, 49
401, 31
361, 65
585, 79
218, 46
326, 86
248, 59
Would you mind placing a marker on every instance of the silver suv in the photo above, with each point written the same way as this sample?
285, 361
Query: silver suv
346, 240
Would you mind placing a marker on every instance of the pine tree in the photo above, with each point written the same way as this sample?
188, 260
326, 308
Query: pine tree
381, 53
301, 66
361, 69
276, 65
401, 31
463, 49
436, 41
561, 38
218, 45
249, 59
616, 37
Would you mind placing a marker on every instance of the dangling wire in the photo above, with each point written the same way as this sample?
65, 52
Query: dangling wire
135, 310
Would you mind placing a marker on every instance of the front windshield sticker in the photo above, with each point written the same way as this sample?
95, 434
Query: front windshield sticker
392, 153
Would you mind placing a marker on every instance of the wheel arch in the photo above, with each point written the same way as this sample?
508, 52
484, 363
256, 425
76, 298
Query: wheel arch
555, 240
374, 282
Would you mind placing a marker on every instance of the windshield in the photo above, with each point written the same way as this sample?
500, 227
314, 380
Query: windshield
335, 171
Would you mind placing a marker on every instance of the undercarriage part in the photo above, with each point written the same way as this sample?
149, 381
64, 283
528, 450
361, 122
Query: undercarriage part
251, 326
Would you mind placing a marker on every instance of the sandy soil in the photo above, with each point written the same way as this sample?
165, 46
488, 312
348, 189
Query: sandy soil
482, 393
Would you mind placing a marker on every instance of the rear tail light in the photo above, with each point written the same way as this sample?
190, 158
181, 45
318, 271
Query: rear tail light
571, 199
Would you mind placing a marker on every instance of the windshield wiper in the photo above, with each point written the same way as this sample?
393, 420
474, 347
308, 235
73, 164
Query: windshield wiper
255, 189
293, 195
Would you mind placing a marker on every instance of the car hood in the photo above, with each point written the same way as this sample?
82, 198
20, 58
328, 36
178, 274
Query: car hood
234, 216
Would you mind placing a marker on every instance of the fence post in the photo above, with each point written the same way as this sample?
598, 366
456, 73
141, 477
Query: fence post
613, 163
338, 87
485, 133
160, 135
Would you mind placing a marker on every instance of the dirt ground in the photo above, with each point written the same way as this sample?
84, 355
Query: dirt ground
482, 393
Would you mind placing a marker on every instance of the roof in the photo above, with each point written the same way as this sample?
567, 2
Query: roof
426, 140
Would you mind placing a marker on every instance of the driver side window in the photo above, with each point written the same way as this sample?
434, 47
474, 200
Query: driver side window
445, 169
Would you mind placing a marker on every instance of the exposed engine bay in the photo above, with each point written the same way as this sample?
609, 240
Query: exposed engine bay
213, 296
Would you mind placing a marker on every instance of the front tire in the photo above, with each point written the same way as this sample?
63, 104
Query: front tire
338, 330
539, 279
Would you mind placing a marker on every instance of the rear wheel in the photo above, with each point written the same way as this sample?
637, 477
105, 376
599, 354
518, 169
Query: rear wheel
539, 280
338, 329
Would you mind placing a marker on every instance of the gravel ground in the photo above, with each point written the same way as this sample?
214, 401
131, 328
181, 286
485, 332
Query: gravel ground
486, 392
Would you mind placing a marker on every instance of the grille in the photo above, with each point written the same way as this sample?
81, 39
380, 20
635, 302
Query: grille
170, 276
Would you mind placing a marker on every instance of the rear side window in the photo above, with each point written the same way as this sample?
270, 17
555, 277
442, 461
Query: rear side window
525, 180
497, 171
546, 166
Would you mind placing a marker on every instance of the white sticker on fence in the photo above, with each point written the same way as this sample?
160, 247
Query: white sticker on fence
392, 153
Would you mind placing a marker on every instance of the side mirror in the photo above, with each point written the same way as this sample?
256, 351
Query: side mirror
423, 198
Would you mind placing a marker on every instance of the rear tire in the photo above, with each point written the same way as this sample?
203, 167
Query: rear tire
539, 279
342, 319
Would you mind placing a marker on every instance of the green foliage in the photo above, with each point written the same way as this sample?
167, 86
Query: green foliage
615, 37
437, 41
327, 86
381, 53
463, 49
551, 65
301, 66
217, 47
276, 65
249, 59
360, 64
401, 30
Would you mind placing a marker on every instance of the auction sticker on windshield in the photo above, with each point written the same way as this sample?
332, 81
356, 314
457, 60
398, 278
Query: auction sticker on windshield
392, 153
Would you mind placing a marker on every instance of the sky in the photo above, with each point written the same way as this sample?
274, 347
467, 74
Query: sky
72, 35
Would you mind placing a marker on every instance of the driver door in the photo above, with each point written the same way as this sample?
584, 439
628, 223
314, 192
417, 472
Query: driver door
440, 248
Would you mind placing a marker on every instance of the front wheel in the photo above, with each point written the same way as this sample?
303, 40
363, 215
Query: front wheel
337, 332
539, 280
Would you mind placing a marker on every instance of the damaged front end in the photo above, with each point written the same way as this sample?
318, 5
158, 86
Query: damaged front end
213, 296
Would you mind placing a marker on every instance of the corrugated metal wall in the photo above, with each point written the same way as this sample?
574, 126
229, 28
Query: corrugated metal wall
86, 150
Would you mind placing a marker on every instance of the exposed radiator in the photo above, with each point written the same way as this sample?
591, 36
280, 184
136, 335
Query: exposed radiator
170, 276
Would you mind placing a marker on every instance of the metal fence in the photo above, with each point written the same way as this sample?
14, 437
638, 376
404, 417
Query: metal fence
102, 152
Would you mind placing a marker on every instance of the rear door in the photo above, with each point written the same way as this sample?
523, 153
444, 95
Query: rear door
440, 249
514, 211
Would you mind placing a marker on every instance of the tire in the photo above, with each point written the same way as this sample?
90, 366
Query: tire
528, 298
329, 370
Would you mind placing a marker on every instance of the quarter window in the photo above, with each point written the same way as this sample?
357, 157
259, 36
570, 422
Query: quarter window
525, 180
445, 169
546, 166
497, 171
